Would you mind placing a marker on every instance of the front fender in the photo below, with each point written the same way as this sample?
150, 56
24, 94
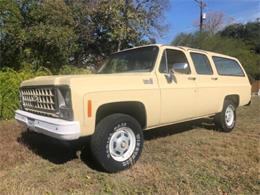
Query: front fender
149, 98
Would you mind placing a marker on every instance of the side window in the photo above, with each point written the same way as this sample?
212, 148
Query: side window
201, 63
173, 58
227, 67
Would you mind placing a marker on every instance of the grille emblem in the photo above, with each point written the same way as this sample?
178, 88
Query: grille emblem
35, 98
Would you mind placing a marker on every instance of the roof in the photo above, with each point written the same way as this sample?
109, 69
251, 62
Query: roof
180, 47
204, 51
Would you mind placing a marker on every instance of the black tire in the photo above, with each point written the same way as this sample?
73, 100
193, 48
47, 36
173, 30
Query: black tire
101, 140
220, 118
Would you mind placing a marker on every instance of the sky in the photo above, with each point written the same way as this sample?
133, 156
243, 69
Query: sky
181, 14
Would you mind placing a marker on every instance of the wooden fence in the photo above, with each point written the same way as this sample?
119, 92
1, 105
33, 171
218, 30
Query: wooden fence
255, 87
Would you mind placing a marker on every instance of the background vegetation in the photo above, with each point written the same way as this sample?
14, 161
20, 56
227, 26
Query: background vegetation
238, 40
45, 37
52, 33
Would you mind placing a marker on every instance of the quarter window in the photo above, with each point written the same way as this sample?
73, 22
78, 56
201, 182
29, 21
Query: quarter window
227, 67
201, 63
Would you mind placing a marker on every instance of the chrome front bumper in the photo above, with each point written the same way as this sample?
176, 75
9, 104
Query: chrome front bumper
53, 127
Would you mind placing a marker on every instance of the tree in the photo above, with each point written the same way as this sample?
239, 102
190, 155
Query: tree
53, 33
249, 33
107, 26
37, 32
12, 35
215, 21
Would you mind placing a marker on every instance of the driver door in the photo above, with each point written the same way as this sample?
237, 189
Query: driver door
177, 89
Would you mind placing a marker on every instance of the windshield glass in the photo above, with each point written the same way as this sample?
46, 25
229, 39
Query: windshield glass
134, 60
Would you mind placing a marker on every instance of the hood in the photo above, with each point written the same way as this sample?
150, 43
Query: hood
97, 82
51, 80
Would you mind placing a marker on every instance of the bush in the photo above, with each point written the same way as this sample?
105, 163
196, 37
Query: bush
10, 81
68, 69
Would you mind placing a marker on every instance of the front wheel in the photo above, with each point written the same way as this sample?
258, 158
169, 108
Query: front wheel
117, 142
226, 120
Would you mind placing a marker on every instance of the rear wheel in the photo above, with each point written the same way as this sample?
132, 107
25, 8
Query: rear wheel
226, 120
117, 142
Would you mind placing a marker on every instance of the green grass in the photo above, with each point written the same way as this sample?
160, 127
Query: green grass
189, 158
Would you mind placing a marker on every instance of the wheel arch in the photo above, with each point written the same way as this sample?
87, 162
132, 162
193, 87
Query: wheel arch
234, 98
135, 109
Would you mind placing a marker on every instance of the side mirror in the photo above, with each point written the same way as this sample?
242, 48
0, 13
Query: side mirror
180, 67
170, 75
171, 71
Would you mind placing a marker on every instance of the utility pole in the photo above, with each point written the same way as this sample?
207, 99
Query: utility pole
202, 5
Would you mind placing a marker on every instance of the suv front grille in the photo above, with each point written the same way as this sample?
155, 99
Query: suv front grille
39, 100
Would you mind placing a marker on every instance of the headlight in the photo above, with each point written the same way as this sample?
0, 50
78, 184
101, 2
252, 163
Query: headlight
64, 102
67, 98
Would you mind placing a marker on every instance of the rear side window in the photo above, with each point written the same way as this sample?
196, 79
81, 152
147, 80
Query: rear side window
201, 63
227, 67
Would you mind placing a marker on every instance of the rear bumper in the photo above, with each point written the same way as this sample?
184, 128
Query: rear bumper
56, 128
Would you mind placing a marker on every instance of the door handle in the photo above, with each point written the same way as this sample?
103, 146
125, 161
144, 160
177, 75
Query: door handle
214, 78
192, 78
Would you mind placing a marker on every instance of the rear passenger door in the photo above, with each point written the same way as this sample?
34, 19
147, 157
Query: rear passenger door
207, 93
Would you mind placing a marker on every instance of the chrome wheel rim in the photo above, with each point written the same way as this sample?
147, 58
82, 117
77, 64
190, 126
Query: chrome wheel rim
122, 144
229, 115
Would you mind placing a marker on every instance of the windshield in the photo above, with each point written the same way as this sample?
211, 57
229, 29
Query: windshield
134, 60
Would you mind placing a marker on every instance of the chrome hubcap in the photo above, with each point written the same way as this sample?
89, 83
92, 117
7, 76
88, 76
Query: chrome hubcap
229, 115
122, 144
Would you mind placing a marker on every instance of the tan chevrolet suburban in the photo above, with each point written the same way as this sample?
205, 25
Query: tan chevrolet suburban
136, 89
